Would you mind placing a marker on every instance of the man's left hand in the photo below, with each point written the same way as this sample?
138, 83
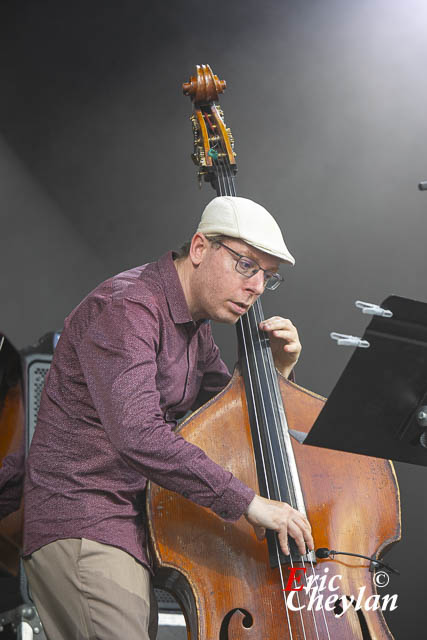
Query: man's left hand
284, 341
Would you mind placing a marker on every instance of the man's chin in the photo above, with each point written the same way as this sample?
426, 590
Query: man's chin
227, 318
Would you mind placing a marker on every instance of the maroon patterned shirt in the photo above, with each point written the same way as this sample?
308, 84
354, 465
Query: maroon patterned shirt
130, 362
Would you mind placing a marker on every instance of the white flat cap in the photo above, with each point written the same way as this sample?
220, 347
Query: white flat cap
244, 219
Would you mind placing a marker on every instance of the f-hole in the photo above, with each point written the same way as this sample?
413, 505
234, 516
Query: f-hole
338, 609
247, 622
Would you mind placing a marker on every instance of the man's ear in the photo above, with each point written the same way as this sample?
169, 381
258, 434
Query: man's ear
198, 247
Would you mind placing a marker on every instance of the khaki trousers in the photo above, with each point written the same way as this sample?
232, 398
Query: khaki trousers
85, 590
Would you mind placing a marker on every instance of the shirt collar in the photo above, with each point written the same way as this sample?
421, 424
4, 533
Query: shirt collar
174, 292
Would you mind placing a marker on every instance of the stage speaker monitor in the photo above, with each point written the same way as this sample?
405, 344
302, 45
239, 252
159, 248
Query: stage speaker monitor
36, 361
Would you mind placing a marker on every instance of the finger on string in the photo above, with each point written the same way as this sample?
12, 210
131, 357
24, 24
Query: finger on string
299, 538
284, 542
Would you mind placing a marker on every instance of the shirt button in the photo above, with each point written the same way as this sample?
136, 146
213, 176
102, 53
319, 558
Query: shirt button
185, 494
223, 514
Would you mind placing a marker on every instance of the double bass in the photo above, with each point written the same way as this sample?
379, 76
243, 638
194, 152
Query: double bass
230, 584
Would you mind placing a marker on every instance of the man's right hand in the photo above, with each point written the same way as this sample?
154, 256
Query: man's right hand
265, 514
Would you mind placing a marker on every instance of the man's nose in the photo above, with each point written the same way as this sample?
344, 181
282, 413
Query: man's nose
255, 283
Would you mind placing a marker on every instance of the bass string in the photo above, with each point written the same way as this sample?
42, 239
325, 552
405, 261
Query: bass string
222, 185
282, 413
301, 596
271, 380
257, 422
225, 178
270, 372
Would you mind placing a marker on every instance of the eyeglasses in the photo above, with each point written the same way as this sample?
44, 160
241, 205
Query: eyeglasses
248, 268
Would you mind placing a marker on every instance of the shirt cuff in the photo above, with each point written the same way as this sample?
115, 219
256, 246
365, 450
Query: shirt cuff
234, 501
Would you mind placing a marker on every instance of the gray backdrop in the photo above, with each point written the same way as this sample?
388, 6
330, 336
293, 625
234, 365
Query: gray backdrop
327, 102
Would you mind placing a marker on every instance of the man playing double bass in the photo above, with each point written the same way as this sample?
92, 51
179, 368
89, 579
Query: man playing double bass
133, 358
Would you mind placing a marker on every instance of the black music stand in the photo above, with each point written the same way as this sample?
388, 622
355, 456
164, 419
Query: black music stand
376, 407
